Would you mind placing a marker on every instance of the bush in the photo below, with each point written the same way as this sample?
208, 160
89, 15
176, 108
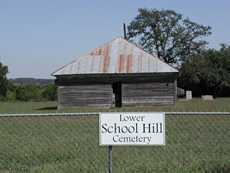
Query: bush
29, 93
11, 95
50, 92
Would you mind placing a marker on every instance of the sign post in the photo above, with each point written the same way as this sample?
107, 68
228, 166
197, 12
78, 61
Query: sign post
131, 128
110, 158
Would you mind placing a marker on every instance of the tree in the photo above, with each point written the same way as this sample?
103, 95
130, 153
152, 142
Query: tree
168, 34
207, 72
3, 80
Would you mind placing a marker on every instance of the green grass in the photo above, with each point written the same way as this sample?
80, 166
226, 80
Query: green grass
194, 144
219, 104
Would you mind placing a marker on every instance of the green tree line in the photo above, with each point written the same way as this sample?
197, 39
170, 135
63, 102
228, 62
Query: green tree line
207, 72
29, 93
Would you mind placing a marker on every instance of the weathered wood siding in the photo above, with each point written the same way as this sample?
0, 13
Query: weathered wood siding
85, 95
154, 93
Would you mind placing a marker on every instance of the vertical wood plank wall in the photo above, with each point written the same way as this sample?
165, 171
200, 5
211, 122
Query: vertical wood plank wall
148, 94
85, 95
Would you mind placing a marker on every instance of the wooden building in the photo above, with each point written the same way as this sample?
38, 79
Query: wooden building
115, 74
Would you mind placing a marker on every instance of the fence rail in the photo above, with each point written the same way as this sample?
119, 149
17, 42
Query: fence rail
97, 113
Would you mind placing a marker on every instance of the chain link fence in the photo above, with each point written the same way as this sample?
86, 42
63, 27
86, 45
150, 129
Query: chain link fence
195, 143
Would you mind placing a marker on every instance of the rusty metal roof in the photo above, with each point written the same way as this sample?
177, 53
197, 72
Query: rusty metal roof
116, 57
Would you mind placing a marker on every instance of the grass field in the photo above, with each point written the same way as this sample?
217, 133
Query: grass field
194, 144
219, 104
70, 144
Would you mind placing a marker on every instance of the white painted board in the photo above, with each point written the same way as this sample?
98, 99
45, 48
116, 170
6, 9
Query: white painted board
132, 128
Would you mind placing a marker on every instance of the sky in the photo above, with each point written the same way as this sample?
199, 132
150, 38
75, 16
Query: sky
39, 36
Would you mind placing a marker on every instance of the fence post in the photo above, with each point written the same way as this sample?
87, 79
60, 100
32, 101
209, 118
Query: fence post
110, 159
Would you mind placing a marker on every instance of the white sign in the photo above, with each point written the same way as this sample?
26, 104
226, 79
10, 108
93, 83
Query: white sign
147, 128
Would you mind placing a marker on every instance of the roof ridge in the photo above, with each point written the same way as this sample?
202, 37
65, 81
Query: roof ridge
103, 45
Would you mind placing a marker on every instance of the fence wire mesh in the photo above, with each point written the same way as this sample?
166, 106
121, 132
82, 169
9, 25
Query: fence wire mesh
58, 144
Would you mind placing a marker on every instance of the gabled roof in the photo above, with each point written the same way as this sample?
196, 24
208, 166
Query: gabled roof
116, 57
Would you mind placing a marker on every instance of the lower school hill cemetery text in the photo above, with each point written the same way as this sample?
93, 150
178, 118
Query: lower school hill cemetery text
132, 128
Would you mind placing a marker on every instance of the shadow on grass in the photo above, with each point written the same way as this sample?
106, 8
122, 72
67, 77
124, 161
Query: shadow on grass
219, 169
47, 108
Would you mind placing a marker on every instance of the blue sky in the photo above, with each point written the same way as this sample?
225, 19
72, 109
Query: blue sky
39, 36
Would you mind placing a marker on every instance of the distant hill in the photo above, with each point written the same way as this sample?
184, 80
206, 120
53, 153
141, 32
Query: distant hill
31, 81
